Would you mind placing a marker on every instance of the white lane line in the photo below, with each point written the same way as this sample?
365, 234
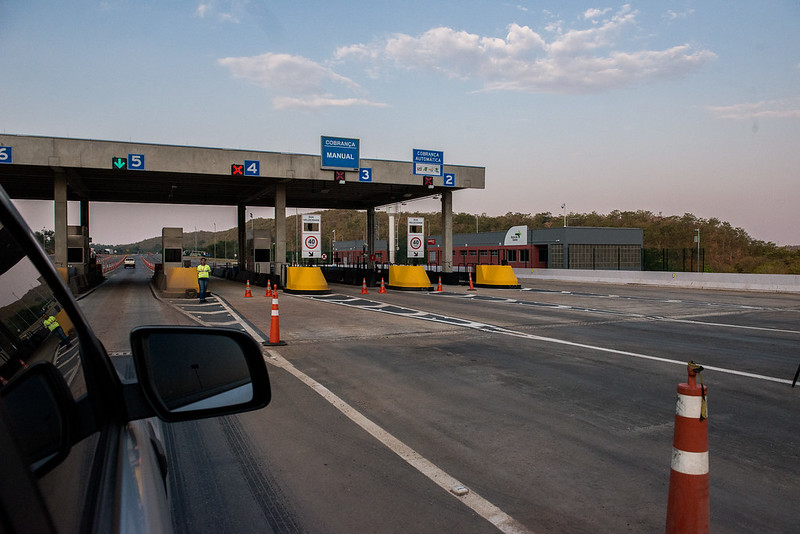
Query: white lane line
478, 504
427, 316
455, 488
727, 325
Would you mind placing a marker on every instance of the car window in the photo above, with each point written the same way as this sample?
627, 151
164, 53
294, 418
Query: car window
34, 327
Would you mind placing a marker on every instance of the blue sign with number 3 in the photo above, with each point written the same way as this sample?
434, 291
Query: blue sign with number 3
365, 174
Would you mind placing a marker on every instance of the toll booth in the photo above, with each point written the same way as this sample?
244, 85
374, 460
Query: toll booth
172, 247
78, 249
259, 251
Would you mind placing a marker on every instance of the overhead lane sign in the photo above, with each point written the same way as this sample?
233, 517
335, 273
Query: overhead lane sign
339, 153
428, 162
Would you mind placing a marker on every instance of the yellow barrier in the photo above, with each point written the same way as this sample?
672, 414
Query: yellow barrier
305, 280
499, 276
64, 321
64, 272
408, 277
181, 278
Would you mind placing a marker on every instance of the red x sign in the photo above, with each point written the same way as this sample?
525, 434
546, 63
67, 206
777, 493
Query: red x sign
237, 169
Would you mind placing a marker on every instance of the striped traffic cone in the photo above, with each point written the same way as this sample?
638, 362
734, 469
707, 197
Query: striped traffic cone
471, 288
274, 324
439, 287
688, 504
364, 286
383, 288
269, 290
247, 292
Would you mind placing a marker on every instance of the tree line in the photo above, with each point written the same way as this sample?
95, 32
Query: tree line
725, 248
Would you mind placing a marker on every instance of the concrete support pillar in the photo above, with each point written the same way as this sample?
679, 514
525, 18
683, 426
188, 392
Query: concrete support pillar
447, 231
60, 237
371, 236
280, 230
85, 224
390, 245
241, 233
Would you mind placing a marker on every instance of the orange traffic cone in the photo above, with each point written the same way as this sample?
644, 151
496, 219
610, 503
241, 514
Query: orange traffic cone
22, 364
247, 290
688, 504
364, 286
269, 290
3, 381
274, 324
383, 288
471, 288
439, 287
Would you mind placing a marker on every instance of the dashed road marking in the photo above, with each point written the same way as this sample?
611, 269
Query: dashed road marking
344, 300
451, 485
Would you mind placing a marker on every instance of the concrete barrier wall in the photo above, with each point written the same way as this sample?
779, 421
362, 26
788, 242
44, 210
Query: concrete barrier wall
779, 283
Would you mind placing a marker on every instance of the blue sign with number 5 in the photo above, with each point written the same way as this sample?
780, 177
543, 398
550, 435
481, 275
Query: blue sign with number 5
6, 154
136, 162
365, 174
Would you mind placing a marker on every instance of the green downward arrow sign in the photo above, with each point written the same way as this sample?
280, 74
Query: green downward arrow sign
119, 163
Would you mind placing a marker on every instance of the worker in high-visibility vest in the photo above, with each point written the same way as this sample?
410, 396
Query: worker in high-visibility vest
203, 272
52, 324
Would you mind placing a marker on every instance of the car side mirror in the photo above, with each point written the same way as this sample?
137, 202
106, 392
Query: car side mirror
188, 372
39, 405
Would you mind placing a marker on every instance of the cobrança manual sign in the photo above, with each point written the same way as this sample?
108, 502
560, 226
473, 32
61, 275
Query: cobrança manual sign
339, 153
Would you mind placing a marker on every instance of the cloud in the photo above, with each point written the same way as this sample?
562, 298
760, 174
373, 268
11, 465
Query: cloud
307, 80
318, 101
675, 15
572, 61
771, 109
232, 12
595, 13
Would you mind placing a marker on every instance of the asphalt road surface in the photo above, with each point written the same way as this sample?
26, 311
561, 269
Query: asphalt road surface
547, 409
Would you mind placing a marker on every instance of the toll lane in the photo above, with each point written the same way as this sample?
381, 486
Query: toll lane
559, 437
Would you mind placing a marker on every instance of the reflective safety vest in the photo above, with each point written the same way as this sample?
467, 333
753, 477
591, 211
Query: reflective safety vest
51, 323
203, 271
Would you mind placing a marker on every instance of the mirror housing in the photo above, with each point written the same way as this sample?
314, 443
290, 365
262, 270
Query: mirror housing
189, 372
39, 405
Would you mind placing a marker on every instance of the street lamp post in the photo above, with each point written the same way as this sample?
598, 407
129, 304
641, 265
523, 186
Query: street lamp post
215, 243
564, 207
697, 238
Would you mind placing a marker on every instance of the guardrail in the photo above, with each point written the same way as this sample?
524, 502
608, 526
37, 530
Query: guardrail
775, 283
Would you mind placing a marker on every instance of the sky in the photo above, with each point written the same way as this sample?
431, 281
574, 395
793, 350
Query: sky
671, 107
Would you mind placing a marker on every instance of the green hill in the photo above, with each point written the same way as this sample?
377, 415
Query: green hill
725, 248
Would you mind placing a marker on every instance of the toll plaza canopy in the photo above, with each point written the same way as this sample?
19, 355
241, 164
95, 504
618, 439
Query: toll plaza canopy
61, 169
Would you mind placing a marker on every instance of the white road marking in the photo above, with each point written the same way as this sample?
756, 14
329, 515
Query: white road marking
478, 504
454, 487
417, 314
